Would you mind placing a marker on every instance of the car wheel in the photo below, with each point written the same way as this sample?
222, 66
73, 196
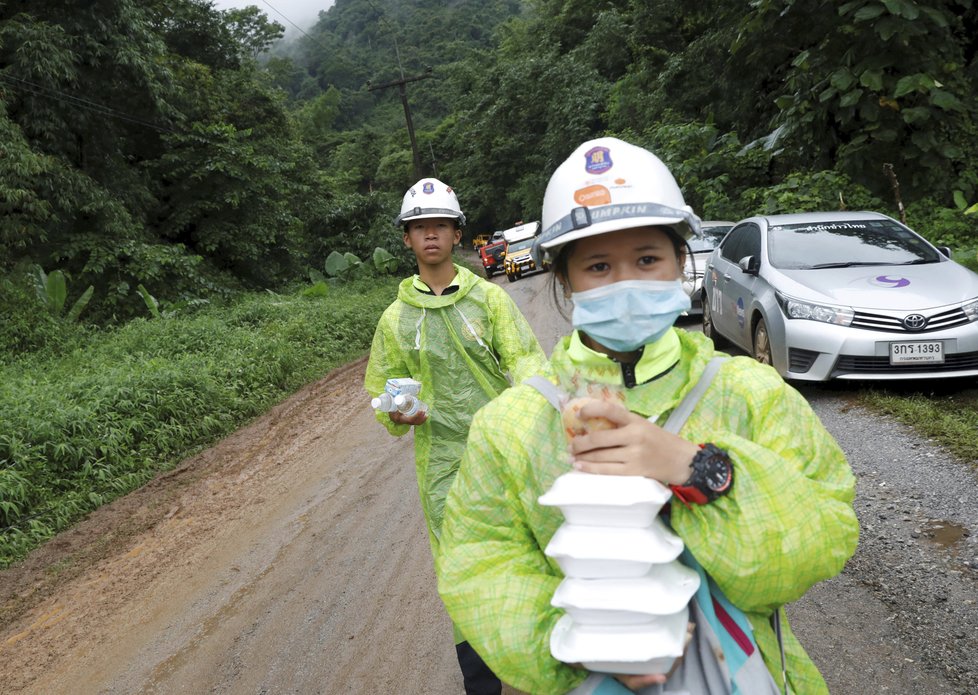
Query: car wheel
510, 277
762, 343
709, 330
488, 273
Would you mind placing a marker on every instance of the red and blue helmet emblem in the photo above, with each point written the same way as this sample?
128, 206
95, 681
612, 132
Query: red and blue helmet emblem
597, 160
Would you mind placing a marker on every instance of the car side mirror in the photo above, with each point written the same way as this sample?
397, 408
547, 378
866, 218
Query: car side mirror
750, 265
946, 250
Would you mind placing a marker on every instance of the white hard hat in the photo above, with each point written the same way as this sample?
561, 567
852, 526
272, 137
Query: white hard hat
607, 185
430, 198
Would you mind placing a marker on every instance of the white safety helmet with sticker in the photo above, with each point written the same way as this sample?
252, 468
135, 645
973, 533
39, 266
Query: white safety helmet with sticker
430, 198
607, 185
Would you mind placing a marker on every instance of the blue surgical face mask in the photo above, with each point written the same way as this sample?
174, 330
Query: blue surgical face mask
624, 316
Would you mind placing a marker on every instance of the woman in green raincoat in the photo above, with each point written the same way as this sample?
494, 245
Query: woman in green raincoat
460, 336
766, 493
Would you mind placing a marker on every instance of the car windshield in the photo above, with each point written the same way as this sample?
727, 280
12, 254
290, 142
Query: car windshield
711, 237
842, 244
520, 245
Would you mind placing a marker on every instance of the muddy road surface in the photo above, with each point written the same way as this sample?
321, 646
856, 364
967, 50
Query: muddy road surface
292, 558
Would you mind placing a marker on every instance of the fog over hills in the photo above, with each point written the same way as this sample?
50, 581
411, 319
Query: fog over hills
302, 13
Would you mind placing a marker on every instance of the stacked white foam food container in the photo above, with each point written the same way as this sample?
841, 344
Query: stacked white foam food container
625, 593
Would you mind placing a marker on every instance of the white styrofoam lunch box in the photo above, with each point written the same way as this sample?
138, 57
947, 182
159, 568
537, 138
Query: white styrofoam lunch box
650, 647
606, 500
599, 552
664, 590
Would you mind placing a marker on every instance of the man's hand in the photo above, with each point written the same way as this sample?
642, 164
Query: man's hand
398, 418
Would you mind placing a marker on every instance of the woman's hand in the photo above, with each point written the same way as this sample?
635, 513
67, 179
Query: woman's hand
399, 418
634, 446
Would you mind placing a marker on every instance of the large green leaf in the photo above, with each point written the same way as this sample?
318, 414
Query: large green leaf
869, 12
850, 98
913, 83
945, 100
842, 79
336, 264
79, 306
903, 8
915, 114
872, 79
56, 290
888, 27
384, 261
150, 301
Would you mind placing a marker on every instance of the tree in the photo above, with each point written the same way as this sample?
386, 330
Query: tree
872, 81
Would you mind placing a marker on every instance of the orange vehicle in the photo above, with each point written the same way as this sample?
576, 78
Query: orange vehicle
480, 241
493, 254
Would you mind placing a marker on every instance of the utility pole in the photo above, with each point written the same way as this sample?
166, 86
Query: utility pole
400, 84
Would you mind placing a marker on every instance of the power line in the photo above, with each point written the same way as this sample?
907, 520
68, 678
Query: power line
101, 109
298, 28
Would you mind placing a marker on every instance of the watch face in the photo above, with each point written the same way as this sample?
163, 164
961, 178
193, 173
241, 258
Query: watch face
718, 474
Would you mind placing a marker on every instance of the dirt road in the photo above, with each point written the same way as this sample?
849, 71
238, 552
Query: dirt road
292, 558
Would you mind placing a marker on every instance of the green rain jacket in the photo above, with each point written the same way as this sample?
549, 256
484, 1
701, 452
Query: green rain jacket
787, 524
460, 347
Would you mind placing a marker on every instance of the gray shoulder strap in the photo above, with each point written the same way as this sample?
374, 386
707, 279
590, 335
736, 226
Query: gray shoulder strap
546, 387
677, 418
685, 408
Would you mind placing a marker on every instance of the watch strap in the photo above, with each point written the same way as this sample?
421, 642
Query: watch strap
697, 490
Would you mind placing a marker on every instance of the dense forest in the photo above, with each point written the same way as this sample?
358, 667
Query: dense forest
175, 152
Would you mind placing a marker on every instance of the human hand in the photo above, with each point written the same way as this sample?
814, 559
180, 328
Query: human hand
634, 446
399, 418
637, 682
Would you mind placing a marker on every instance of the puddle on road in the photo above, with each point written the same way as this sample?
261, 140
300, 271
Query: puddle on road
944, 533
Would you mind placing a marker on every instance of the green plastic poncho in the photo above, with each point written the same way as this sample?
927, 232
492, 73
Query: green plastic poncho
787, 524
460, 346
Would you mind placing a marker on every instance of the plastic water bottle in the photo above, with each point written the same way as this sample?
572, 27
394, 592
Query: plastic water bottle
395, 387
384, 403
410, 405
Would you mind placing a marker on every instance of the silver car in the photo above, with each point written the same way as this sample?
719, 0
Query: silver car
698, 253
842, 295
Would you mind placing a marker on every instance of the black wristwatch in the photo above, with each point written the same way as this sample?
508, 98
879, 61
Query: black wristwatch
712, 476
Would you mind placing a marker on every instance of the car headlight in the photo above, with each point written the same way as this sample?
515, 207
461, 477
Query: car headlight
826, 313
971, 310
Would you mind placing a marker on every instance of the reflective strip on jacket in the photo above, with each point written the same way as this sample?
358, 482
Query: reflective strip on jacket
460, 346
787, 524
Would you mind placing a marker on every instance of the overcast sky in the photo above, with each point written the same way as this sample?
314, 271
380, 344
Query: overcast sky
301, 12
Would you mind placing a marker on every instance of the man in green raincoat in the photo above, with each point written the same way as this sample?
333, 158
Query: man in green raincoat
458, 335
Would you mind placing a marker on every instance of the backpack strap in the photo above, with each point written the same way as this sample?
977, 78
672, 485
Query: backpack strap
547, 388
685, 408
677, 418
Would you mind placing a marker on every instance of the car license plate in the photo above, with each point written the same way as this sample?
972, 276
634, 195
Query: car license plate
931, 352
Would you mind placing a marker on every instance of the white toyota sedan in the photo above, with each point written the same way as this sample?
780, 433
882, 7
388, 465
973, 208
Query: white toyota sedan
842, 295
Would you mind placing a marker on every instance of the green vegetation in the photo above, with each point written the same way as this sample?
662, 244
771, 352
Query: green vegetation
80, 428
948, 415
